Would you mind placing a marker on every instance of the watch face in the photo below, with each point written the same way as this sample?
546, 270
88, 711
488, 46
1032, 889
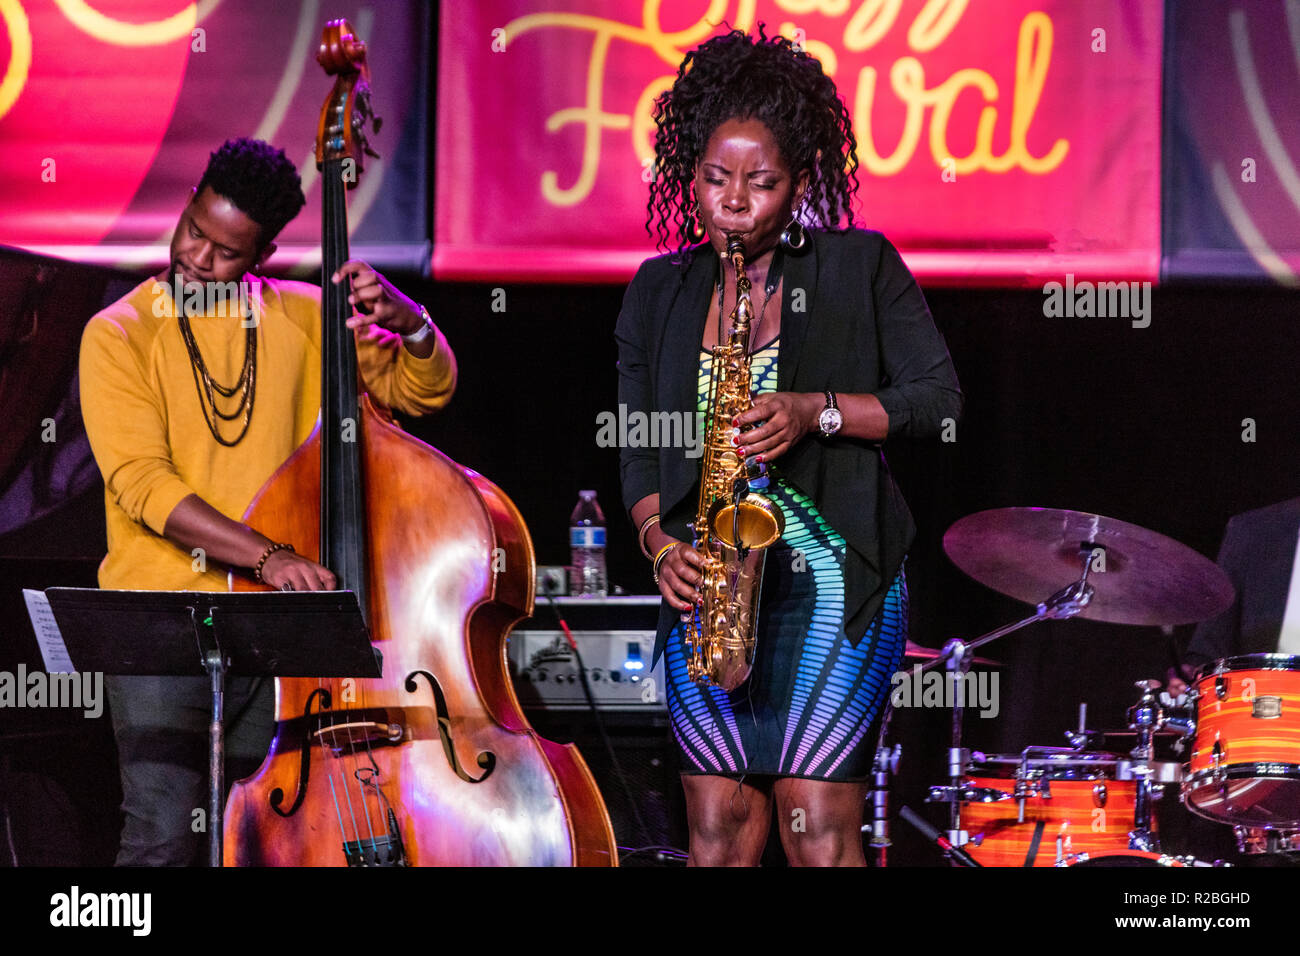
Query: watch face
830, 421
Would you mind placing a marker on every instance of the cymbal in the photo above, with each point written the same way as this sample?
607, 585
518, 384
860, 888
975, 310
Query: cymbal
1031, 553
915, 652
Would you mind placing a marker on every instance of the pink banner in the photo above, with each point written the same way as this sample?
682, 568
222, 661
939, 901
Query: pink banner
110, 109
999, 141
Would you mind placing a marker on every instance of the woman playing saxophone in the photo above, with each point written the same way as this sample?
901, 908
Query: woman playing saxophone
755, 146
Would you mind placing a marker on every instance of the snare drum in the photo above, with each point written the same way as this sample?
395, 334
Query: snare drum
1073, 804
1245, 763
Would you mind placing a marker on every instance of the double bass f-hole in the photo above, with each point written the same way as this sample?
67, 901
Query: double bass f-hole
485, 759
304, 768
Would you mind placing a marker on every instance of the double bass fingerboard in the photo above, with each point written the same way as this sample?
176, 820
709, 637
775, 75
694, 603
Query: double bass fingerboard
342, 512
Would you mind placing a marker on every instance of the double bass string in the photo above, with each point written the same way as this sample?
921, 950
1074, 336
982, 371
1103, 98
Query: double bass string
327, 765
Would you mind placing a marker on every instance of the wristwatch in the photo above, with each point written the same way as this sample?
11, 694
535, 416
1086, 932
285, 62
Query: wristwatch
830, 419
426, 330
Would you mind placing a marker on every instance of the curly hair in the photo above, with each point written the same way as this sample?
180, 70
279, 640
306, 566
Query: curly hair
259, 179
735, 76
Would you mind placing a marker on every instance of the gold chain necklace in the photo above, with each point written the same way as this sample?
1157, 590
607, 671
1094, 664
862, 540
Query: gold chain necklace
208, 388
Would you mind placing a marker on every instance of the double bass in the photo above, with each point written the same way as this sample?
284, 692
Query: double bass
434, 763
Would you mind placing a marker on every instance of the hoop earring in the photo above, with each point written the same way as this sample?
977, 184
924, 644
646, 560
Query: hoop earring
697, 221
793, 229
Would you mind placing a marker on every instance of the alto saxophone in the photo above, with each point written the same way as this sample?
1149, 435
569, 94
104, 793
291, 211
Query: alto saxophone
733, 524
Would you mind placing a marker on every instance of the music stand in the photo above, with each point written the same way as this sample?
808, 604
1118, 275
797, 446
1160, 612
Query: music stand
193, 633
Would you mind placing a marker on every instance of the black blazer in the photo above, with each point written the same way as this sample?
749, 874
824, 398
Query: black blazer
1258, 553
853, 320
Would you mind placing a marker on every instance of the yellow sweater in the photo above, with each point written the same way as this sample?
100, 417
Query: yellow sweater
147, 430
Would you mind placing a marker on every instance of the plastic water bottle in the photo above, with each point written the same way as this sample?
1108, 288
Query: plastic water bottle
587, 547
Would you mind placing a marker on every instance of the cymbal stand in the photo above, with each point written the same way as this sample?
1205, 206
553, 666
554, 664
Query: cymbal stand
956, 658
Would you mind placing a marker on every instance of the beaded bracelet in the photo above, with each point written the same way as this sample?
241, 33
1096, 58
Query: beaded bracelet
645, 526
261, 562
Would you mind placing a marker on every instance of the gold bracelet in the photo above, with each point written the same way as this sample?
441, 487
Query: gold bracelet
663, 552
645, 526
257, 571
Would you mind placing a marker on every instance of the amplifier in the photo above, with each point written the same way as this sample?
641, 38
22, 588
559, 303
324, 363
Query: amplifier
616, 638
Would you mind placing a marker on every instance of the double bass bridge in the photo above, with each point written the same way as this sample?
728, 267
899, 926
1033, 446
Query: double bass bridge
347, 732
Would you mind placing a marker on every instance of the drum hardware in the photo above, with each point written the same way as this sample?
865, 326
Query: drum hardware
968, 794
1255, 841
1266, 708
885, 764
1161, 772
915, 652
1083, 738
1144, 718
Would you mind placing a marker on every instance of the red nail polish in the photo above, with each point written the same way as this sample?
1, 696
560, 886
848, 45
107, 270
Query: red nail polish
759, 459
735, 439
742, 453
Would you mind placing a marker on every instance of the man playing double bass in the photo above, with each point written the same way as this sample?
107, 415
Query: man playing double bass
192, 397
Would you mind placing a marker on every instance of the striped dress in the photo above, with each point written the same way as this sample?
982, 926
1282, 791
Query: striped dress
812, 695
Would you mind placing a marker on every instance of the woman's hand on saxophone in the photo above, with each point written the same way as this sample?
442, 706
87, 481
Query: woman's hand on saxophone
786, 416
679, 571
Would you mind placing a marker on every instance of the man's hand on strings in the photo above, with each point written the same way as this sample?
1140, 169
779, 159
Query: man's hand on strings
377, 301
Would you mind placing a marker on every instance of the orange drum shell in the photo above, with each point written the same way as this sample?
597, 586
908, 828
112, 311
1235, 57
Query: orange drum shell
1073, 813
1243, 738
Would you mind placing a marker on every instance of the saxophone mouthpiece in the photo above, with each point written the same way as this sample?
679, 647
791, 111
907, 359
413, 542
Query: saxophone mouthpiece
735, 244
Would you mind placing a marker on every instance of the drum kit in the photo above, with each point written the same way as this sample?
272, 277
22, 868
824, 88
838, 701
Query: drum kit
1093, 803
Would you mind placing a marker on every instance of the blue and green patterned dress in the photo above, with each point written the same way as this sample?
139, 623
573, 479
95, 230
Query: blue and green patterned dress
812, 695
